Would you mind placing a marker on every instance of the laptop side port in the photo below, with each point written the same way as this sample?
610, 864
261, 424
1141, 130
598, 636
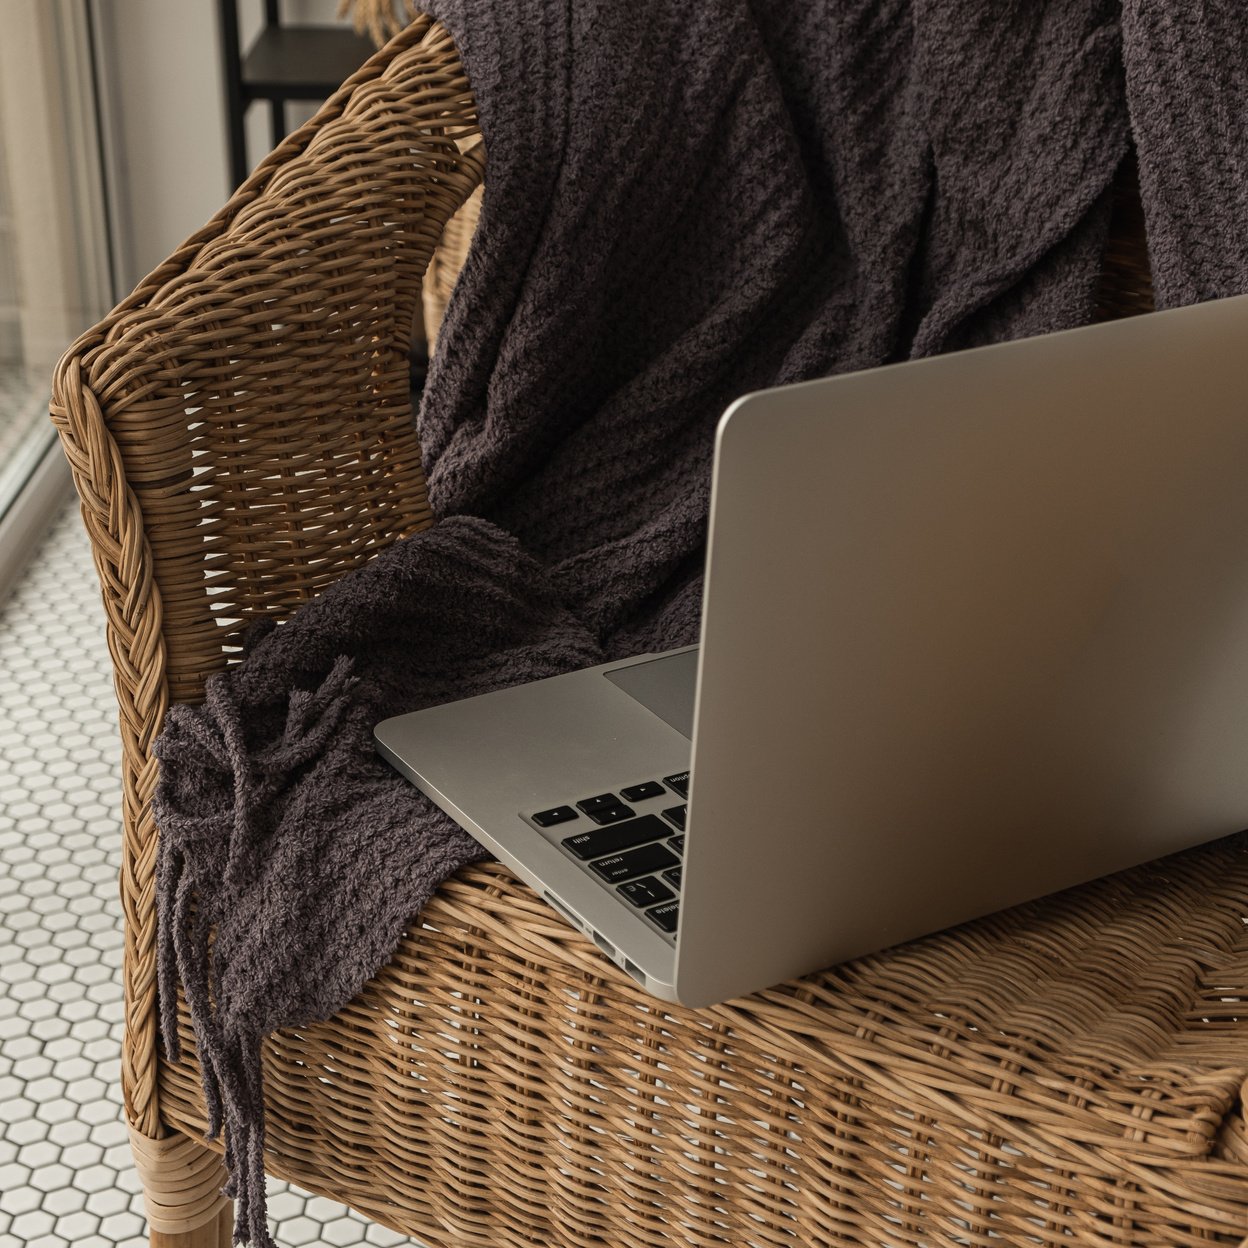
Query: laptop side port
563, 910
601, 941
619, 959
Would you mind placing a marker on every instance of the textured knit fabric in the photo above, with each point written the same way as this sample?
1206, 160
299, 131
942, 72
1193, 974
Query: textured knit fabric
684, 202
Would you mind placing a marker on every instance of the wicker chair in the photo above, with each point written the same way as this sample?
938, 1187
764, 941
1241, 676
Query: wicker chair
1070, 1071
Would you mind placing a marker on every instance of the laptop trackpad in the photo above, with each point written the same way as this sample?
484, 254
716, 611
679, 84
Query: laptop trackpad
665, 686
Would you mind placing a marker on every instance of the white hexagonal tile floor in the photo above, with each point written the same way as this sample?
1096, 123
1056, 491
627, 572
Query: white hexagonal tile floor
65, 1172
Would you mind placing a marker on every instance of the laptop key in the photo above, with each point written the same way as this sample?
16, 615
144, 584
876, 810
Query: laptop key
556, 814
601, 802
617, 868
644, 892
677, 843
640, 792
679, 783
610, 840
673, 875
675, 815
612, 814
665, 916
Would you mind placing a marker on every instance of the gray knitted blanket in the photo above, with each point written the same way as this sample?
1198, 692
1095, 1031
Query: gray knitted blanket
685, 201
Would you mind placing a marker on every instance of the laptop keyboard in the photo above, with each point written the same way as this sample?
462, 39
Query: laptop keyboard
638, 855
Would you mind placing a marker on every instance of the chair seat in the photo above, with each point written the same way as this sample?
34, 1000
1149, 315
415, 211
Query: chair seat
1072, 1067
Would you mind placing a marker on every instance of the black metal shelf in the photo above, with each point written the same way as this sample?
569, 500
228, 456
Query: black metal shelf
302, 62
299, 62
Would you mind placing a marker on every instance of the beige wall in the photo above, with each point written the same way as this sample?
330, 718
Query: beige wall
165, 118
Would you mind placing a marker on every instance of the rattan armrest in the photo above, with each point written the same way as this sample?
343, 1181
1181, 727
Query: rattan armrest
240, 429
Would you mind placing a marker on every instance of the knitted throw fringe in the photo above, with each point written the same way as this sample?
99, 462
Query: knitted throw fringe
233, 1092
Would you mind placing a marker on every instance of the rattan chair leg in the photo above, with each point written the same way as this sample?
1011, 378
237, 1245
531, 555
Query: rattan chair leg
182, 1183
216, 1234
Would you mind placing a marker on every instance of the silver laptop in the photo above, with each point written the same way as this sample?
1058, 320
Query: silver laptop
975, 628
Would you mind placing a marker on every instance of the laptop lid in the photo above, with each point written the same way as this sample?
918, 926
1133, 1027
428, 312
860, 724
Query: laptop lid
975, 628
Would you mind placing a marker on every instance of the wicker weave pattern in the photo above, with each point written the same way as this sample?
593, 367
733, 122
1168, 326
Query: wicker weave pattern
1072, 1067
1071, 1071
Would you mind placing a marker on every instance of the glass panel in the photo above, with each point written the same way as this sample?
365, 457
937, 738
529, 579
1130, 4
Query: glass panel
53, 235
21, 397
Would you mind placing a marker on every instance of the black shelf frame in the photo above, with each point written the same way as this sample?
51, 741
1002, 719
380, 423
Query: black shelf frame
286, 62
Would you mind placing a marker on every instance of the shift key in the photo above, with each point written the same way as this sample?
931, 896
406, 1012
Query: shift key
616, 836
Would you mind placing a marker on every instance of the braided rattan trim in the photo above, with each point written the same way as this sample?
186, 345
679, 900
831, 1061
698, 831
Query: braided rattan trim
119, 547
239, 428
181, 1180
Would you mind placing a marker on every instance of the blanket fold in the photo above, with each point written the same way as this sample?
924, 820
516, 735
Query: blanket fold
684, 202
